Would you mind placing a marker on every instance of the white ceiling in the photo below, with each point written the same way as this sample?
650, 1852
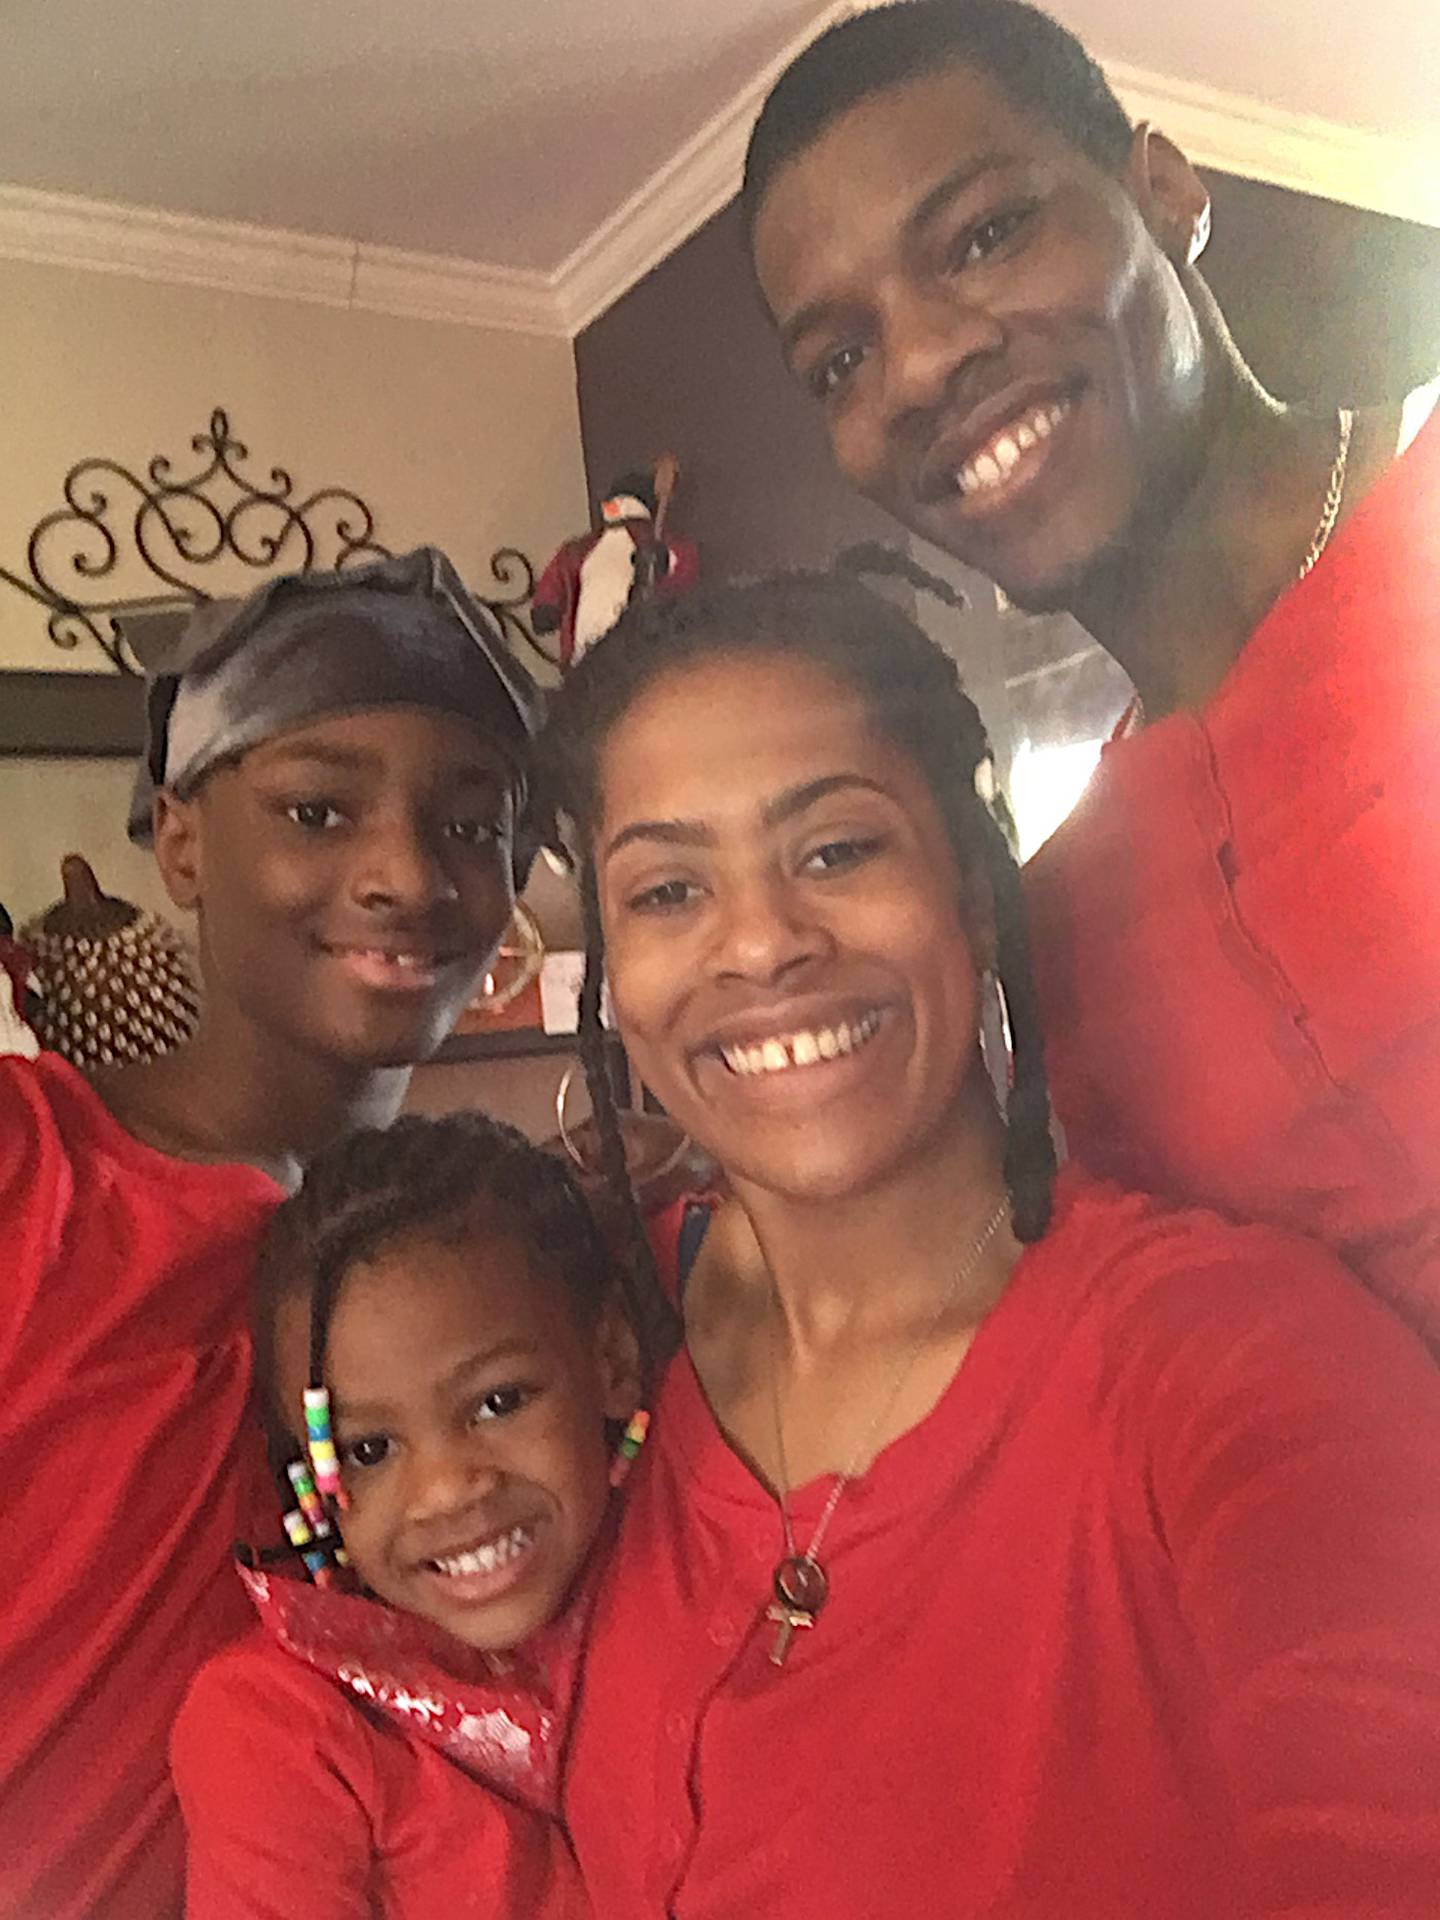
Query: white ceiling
499, 130
509, 132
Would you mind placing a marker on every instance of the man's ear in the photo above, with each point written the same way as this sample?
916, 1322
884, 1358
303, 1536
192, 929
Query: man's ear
1173, 200
617, 1354
177, 838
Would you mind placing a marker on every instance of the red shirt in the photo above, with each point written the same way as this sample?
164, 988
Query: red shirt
1140, 1623
302, 1804
1237, 932
124, 1384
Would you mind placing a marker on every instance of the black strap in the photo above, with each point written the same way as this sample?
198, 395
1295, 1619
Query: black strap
694, 1225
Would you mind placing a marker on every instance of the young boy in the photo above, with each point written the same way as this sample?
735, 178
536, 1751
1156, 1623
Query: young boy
340, 791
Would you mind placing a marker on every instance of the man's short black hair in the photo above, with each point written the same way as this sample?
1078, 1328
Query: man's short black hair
1039, 64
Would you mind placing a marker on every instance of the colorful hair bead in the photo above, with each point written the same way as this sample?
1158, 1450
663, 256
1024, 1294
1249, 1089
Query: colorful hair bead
631, 1441
297, 1529
324, 1461
303, 1482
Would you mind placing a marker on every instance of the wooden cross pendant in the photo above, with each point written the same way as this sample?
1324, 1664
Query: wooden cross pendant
790, 1621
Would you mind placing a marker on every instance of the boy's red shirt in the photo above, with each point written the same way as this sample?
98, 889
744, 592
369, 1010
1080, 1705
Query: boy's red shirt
129, 1465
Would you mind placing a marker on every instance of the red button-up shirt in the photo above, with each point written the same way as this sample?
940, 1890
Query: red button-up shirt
1140, 1623
1237, 932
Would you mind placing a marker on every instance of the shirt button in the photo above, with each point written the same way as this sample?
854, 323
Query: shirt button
677, 1726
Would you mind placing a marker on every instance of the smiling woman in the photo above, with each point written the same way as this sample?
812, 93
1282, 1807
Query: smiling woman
985, 1504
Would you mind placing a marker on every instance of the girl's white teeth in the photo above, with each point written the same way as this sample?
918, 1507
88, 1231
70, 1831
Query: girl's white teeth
1002, 454
802, 1049
489, 1557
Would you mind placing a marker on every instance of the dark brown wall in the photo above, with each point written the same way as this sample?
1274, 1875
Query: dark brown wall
686, 361
1328, 303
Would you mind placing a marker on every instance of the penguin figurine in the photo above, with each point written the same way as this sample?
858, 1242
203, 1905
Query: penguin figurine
591, 580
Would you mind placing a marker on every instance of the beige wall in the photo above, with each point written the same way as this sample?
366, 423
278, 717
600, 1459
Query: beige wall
454, 435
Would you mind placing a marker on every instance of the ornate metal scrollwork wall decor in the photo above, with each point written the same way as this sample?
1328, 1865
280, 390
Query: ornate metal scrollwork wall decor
115, 521
513, 573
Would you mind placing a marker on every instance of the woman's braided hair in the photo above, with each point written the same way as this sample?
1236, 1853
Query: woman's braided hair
438, 1177
914, 694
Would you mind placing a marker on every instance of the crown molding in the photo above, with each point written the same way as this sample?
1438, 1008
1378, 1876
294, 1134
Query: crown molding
1229, 131
692, 186
102, 236
1235, 133
467, 293
173, 249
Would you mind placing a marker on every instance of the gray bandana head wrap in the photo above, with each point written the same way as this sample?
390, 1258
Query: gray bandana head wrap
402, 632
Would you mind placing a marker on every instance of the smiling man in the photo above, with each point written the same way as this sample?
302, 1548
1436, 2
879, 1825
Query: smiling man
986, 278
339, 781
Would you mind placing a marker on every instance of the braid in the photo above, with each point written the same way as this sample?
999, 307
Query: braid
654, 1321
1029, 1142
914, 692
869, 556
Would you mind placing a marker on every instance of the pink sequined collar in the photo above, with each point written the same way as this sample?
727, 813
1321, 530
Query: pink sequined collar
504, 1724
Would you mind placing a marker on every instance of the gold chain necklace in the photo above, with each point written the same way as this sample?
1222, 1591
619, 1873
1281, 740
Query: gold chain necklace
1133, 718
1334, 494
800, 1583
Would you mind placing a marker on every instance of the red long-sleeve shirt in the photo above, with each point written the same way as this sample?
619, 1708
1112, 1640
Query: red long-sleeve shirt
1142, 1622
1237, 932
126, 1447
301, 1804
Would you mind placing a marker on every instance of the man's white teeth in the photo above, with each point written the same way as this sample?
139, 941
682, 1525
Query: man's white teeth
1002, 454
489, 1557
802, 1049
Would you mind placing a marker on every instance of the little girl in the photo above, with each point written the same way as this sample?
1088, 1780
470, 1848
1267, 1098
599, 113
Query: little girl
445, 1366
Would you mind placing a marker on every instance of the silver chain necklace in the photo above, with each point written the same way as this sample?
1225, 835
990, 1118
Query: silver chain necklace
800, 1584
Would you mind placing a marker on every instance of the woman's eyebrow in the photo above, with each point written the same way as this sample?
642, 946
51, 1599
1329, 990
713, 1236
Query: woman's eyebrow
671, 833
796, 799
785, 806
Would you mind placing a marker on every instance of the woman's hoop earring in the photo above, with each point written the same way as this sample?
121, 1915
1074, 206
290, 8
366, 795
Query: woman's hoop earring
997, 1047
567, 1139
521, 944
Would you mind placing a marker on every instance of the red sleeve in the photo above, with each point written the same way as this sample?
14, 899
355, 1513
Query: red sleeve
274, 1797
33, 1177
1295, 1472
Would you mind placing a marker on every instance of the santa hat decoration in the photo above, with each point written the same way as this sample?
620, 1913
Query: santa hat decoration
115, 982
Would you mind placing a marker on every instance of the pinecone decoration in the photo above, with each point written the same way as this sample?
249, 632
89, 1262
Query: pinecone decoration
115, 982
